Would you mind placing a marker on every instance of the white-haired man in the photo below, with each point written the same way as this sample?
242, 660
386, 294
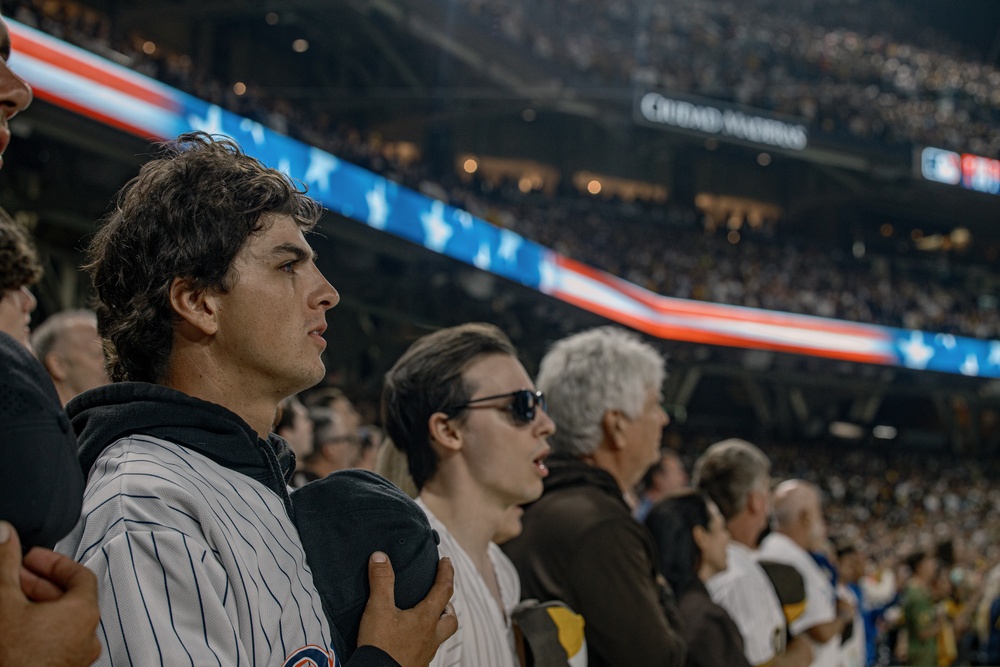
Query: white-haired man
580, 543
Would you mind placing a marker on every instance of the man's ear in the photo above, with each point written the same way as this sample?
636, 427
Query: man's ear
55, 365
197, 309
700, 536
613, 424
443, 433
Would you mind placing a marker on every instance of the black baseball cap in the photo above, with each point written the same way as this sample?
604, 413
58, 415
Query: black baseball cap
345, 517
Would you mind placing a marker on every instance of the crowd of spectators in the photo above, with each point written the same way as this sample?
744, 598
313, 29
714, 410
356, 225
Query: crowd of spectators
873, 71
665, 249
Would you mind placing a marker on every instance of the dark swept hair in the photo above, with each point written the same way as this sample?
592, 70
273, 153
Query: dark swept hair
19, 266
186, 215
672, 522
428, 379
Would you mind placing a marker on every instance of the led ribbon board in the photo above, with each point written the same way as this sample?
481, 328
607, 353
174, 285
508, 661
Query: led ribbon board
972, 172
94, 87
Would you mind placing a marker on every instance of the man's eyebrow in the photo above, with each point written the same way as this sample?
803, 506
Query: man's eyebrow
298, 252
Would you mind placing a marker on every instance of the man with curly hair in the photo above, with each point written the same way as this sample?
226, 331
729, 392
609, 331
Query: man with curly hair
212, 310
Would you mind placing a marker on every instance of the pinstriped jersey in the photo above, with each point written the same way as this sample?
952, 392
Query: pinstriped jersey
196, 564
485, 637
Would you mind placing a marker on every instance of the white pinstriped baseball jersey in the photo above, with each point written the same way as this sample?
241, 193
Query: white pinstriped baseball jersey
748, 596
196, 564
484, 637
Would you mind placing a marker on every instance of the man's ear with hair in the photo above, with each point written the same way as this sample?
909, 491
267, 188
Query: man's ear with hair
444, 435
197, 310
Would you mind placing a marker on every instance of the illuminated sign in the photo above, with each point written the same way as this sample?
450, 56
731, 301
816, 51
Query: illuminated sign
972, 172
719, 119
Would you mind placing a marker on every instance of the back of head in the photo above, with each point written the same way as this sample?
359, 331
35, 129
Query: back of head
51, 333
672, 522
428, 379
186, 215
587, 374
728, 471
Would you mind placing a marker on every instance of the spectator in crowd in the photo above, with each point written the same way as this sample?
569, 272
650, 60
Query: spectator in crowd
580, 542
737, 476
799, 529
464, 410
692, 540
295, 427
336, 446
666, 477
210, 320
20, 270
68, 345
851, 567
48, 603
919, 611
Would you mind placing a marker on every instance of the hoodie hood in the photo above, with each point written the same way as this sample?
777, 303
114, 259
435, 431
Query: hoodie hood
107, 414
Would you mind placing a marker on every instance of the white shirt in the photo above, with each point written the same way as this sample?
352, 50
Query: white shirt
746, 593
485, 637
821, 598
854, 650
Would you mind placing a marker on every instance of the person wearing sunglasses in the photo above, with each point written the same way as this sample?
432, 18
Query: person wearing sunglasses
462, 408
580, 543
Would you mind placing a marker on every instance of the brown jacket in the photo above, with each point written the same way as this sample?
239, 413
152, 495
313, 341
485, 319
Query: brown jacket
581, 545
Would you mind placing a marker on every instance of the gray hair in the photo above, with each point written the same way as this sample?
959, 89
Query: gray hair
728, 471
589, 373
45, 338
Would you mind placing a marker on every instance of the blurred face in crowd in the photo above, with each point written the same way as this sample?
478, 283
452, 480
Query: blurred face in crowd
712, 542
299, 435
16, 306
76, 361
817, 524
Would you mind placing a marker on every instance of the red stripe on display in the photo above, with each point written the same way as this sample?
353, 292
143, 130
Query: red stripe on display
24, 42
695, 335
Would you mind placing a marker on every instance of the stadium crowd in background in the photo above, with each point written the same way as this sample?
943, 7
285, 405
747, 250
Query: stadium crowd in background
769, 268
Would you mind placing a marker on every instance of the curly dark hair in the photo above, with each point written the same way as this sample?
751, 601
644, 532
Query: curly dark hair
186, 215
19, 266
428, 379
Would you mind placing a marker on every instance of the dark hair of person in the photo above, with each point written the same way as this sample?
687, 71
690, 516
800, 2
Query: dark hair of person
428, 379
915, 558
19, 266
186, 215
672, 522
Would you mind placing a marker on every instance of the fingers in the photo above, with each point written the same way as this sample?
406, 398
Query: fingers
381, 580
62, 571
10, 556
447, 624
444, 585
38, 589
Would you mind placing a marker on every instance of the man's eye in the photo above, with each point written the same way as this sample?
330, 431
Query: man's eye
288, 267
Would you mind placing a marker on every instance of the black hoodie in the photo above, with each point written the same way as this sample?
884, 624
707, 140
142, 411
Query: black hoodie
104, 415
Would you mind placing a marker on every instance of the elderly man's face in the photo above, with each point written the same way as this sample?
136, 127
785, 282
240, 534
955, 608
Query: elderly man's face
643, 435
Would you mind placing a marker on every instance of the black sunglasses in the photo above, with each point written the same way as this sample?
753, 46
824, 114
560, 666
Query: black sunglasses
522, 407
